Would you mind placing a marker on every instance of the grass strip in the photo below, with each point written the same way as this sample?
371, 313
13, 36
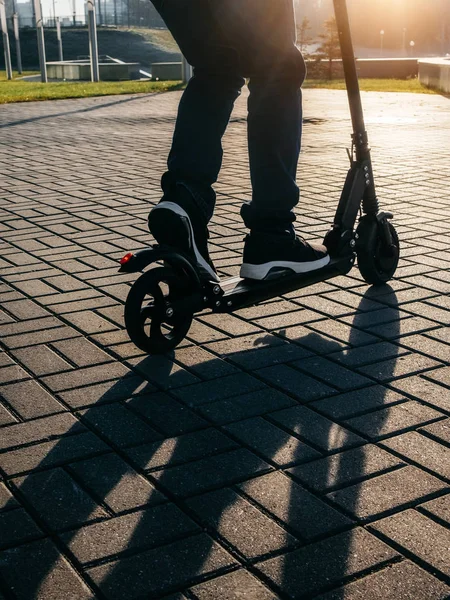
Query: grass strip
27, 91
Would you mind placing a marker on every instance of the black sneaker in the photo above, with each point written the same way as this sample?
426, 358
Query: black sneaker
267, 256
171, 225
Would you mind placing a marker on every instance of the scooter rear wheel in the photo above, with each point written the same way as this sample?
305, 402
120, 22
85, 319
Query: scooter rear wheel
152, 323
377, 262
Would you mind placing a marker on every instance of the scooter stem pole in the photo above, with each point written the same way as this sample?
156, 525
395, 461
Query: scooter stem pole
351, 78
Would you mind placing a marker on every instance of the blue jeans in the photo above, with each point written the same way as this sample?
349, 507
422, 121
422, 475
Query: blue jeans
227, 41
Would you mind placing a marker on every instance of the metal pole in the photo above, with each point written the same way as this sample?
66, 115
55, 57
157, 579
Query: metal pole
74, 16
5, 40
40, 40
17, 38
93, 48
58, 35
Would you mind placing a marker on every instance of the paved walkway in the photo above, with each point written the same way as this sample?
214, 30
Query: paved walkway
297, 449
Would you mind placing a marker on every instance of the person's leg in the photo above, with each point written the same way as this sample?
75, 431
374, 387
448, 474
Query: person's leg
276, 69
196, 155
195, 159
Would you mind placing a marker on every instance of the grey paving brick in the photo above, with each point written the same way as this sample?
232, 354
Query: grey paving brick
166, 414
229, 324
39, 430
36, 338
106, 392
407, 364
238, 584
377, 317
316, 342
420, 536
38, 570
247, 405
242, 525
177, 565
403, 581
119, 426
265, 357
181, 449
133, 532
86, 376
58, 499
440, 375
218, 389
82, 352
328, 562
210, 473
89, 322
355, 357
13, 373
298, 317
344, 468
17, 527
439, 431
393, 419
26, 309
439, 508
299, 510
112, 481
162, 372
7, 500
6, 418
357, 402
429, 312
30, 400
202, 363
423, 451
271, 442
243, 344
40, 360
398, 329
50, 454
343, 332
300, 385
388, 492
335, 375
432, 348
422, 389
315, 429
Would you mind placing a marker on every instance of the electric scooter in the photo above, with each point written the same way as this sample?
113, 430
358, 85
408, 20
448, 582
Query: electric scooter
161, 304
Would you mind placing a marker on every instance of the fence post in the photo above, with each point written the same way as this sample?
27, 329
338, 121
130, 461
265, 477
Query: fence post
5, 40
40, 40
58, 35
93, 48
16, 35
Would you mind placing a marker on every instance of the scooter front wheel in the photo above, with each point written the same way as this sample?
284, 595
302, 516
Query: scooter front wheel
377, 262
153, 323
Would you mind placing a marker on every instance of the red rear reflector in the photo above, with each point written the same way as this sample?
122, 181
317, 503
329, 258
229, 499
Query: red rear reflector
126, 258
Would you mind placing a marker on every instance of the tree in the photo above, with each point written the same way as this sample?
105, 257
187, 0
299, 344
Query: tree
304, 34
330, 48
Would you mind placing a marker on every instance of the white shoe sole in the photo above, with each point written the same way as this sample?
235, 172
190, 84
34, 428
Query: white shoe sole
260, 272
198, 257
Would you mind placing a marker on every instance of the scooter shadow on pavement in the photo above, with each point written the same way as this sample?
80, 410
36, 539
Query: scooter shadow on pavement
207, 505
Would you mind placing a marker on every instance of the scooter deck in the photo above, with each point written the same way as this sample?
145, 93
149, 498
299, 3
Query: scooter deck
239, 293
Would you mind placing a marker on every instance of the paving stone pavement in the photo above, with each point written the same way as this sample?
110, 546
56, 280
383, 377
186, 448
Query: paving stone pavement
295, 449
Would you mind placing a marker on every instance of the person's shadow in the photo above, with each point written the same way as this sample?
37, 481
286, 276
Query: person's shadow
184, 496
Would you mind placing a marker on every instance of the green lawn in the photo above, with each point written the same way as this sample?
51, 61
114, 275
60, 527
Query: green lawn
16, 74
374, 85
27, 91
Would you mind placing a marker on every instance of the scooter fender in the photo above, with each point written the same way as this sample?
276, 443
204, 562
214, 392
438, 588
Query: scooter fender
138, 261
